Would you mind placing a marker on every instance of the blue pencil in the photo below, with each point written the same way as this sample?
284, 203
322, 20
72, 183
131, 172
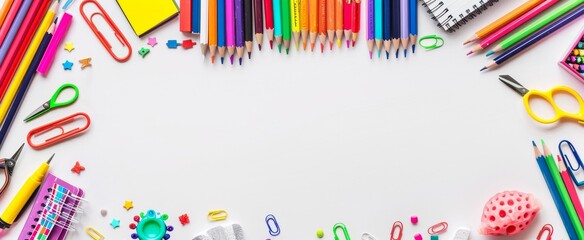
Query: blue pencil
221, 28
413, 24
196, 16
378, 25
554, 192
386, 26
395, 25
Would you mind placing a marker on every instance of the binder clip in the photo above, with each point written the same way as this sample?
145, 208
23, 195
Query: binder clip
57, 125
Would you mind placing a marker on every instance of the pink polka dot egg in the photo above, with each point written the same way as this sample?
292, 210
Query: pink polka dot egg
508, 213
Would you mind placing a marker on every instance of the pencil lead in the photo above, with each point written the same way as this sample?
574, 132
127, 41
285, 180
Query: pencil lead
533, 142
387, 55
405, 52
297, 49
396, 53
542, 142
280, 48
331, 45
321, 48
413, 48
339, 43
271, 44
222, 60
231, 59
212, 59
260, 47
287, 51
490, 53
312, 47
240, 61
378, 53
348, 43
483, 69
370, 55
469, 53
304, 46
353, 44
249, 55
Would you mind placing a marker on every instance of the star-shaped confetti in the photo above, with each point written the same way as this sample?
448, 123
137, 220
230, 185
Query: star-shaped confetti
86, 62
172, 44
67, 65
186, 44
69, 46
143, 52
115, 223
77, 168
128, 205
152, 41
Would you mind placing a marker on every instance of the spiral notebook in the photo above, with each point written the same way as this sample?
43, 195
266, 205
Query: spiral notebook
452, 14
53, 211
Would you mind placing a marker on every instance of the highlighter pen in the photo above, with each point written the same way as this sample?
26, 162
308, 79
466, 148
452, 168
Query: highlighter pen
26, 192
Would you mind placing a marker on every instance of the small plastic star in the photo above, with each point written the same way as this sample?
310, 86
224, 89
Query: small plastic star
152, 41
69, 46
86, 62
67, 65
186, 44
184, 219
115, 223
77, 168
128, 205
143, 52
172, 44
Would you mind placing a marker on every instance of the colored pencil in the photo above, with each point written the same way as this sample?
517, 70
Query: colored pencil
295, 21
499, 23
28, 77
286, 25
536, 25
356, 20
330, 21
339, 21
248, 26
4, 10
16, 24
533, 39
196, 16
313, 22
26, 61
221, 33
347, 20
278, 23
258, 15
9, 21
239, 29
413, 24
51, 51
212, 28
395, 25
553, 167
230, 27
571, 189
387, 31
370, 27
378, 9
549, 181
269, 22
304, 22
204, 27
185, 16
492, 38
322, 24
405, 28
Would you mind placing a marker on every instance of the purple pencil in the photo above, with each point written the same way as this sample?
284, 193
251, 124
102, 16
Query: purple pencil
405, 27
230, 27
14, 28
370, 26
239, 29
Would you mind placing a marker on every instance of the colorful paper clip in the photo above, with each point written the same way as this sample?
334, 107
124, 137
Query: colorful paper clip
398, 228
276, 231
57, 125
119, 35
342, 227
579, 166
94, 234
217, 215
367, 236
438, 228
546, 228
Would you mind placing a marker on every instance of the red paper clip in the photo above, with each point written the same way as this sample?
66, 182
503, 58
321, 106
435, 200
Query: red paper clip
438, 228
57, 125
399, 226
119, 35
546, 228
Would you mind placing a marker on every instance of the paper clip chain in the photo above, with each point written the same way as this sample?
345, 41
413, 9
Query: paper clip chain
438, 228
94, 234
273, 232
399, 227
344, 228
217, 215
546, 228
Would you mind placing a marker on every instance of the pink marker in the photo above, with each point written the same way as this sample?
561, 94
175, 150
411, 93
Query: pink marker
230, 27
51, 51
512, 26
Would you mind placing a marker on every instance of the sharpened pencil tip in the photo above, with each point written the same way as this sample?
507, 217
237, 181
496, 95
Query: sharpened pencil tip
405, 53
260, 47
483, 69
287, 51
378, 53
469, 53
280, 48
331, 46
353, 44
370, 55
297, 49
222, 60
249, 55
271, 44
212, 59
414, 48
304, 46
542, 142
490, 53
321, 48
240, 61
312, 47
387, 55
396, 53
465, 42
533, 142
348, 43
231, 59
339, 43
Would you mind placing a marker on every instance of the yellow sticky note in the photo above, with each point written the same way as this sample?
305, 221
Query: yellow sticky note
145, 16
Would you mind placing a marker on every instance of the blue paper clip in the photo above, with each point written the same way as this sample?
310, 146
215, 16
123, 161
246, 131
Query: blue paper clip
273, 232
67, 4
579, 165
344, 228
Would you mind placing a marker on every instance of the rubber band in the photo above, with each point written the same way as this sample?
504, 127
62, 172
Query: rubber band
397, 226
94, 234
217, 215
438, 42
438, 228
276, 231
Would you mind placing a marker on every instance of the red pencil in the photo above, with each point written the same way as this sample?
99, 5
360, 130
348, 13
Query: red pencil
269, 14
356, 16
9, 19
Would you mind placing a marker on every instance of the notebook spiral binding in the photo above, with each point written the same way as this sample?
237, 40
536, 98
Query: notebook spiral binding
441, 14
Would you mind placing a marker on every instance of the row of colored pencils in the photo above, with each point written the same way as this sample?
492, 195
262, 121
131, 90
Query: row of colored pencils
562, 190
391, 22
528, 35
26, 28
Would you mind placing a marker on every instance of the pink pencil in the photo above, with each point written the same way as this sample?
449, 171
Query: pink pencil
62, 29
512, 26
230, 27
571, 189
9, 19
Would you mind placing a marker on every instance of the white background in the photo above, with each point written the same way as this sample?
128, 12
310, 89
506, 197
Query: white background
313, 138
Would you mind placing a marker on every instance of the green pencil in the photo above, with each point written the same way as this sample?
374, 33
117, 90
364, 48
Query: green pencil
555, 172
286, 24
538, 24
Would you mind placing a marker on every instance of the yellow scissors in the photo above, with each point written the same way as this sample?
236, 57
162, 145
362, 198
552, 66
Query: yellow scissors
548, 97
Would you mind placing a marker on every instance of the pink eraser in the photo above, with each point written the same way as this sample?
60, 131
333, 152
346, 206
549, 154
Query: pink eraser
508, 213
414, 219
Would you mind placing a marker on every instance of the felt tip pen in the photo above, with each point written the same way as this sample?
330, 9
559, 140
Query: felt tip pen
24, 195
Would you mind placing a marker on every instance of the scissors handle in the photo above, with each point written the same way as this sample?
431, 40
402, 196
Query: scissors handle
53, 102
548, 96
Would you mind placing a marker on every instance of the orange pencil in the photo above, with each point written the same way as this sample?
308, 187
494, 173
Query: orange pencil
330, 21
212, 28
4, 10
313, 20
321, 24
304, 22
339, 20
507, 18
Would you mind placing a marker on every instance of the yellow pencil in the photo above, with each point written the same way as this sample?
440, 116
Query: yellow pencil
295, 14
26, 60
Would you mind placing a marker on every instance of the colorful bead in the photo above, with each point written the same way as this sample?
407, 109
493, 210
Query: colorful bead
414, 219
418, 236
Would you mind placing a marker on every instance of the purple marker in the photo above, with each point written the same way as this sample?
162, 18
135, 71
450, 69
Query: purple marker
14, 28
370, 26
405, 27
239, 29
